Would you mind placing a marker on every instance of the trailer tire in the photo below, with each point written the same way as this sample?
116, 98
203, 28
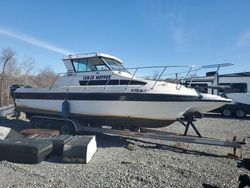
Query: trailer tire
67, 129
226, 112
35, 124
240, 113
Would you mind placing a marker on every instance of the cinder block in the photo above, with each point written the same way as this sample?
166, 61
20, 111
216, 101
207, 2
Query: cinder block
79, 149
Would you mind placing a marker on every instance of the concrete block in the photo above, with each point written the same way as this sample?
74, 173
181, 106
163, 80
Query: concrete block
79, 149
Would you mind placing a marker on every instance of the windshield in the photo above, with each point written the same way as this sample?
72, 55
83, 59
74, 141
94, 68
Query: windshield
89, 64
114, 65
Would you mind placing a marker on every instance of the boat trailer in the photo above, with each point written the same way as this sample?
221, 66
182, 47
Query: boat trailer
156, 134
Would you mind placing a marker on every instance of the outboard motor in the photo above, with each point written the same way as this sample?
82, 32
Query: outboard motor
13, 89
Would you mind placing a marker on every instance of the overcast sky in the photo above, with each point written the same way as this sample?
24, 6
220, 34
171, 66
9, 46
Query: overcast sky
141, 33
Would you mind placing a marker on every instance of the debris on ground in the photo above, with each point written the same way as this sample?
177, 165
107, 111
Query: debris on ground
130, 147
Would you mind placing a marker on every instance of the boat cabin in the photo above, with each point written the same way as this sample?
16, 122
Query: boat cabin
95, 69
93, 62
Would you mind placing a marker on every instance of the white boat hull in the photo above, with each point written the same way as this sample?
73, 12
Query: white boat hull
126, 109
143, 113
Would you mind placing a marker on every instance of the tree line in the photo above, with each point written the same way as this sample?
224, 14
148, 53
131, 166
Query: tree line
20, 71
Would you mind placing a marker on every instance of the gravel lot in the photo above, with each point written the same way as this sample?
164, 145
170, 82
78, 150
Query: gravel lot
150, 163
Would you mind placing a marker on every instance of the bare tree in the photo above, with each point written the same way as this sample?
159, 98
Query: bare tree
13, 72
45, 77
27, 67
6, 58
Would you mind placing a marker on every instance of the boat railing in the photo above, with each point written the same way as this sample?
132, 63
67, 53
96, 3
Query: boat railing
56, 78
134, 75
183, 77
217, 67
162, 76
60, 75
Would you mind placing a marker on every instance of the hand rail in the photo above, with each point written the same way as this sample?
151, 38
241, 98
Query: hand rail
193, 77
159, 77
107, 82
89, 79
131, 78
53, 82
185, 78
163, 74
161, 66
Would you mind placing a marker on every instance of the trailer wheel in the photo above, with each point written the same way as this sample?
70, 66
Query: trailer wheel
35, 123
226, 112
67, 129
240, 113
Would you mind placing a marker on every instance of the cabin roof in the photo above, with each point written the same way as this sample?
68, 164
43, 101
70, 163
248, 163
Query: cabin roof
89, 55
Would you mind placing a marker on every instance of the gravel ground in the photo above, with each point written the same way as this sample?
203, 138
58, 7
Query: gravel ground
145, 163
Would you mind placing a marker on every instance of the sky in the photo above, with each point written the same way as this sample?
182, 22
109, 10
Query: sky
140, 32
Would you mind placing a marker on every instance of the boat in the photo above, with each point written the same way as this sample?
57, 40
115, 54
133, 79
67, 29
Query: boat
99, 90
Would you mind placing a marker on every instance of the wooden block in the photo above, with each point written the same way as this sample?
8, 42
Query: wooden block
40, 132
25, 150
79, 149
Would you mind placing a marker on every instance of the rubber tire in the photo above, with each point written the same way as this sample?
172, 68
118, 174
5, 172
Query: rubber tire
240, 113
36, 124
40, 124
67, 129
226, 112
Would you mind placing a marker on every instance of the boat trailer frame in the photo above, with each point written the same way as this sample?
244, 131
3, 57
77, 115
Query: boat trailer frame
160, 135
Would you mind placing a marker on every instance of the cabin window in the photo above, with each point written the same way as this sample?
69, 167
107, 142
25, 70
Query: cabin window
114, 65
235, 87
80, 65
89, 64
101, 67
